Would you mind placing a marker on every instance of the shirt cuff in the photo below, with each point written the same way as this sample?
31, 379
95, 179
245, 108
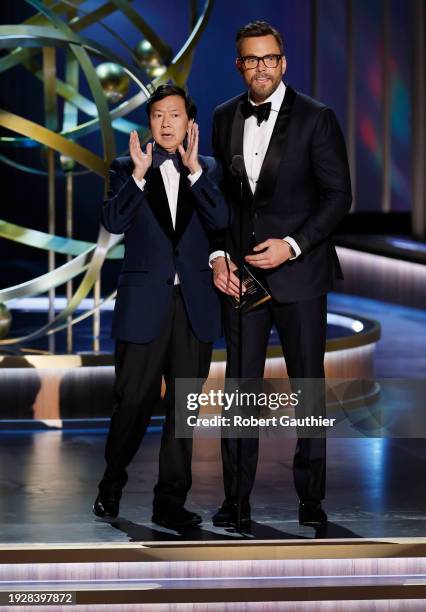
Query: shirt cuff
294, 246
217, 254
193, 178
140, 184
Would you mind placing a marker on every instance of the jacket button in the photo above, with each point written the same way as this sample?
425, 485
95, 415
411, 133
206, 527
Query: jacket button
256, 215
170, 281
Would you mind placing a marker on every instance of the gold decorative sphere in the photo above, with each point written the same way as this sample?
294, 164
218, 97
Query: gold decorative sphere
114, 81
155, 71
67, 163
146, 54
5, 320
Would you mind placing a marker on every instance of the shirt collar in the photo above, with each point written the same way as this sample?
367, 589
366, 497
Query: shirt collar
276, 98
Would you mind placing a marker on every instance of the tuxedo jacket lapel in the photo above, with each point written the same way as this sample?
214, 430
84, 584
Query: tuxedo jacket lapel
185, 206
237, 147
156, 197
276, 150
237, 130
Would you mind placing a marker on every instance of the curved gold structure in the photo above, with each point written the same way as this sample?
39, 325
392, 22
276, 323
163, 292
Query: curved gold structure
34, 45
49, 242
55, 141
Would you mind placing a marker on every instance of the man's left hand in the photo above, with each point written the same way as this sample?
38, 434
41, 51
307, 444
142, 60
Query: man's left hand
190, 156
275, 252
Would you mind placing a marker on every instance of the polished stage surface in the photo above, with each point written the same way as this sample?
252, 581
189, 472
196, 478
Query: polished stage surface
375, 486
48, 482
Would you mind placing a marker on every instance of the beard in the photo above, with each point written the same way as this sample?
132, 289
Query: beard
264, 90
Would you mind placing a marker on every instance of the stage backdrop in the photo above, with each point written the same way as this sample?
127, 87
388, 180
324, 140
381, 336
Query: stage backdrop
318, 38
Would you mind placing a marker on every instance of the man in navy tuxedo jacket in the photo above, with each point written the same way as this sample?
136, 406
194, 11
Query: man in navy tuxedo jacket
167, 311
295, 190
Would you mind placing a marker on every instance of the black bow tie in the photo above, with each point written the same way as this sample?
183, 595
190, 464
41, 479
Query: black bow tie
262, 111
160, 155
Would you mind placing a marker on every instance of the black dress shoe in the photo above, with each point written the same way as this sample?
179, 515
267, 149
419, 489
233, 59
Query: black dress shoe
226, 516
312, 514
106, 507
176, 518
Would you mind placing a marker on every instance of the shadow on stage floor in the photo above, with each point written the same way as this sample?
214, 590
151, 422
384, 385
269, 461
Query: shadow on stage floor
258, 531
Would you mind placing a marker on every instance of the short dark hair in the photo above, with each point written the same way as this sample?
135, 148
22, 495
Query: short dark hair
258, 28
164, 91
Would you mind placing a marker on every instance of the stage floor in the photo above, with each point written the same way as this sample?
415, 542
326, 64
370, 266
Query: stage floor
48, 482
375, 487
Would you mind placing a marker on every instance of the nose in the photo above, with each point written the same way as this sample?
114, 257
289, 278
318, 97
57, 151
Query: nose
261, 66
165, 122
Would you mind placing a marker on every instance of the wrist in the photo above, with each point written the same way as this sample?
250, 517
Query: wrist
138, 174
194, 168
216, 260
292, 251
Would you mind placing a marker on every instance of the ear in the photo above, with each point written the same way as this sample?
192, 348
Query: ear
283, 64
239, 65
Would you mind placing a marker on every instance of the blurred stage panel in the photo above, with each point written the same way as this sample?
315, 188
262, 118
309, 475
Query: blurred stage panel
388, 268
52, 389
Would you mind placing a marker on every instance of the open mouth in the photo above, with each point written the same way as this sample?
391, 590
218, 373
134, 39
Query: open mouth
166, 135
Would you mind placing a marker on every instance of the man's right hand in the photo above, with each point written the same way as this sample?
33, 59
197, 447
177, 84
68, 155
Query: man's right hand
141, 160
225, 281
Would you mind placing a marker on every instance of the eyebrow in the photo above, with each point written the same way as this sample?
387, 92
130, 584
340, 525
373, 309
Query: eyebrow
161, 110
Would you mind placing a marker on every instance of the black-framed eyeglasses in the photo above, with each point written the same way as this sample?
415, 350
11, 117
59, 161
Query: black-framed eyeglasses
252, 61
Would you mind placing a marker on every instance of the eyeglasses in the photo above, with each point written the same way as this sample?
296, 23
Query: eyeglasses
252, 61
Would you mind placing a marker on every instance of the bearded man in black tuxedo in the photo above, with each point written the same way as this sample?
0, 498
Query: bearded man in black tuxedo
296, 189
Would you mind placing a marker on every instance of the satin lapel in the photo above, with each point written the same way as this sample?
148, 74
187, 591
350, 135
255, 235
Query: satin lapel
185, 206
237, 148
157, 200
277, 147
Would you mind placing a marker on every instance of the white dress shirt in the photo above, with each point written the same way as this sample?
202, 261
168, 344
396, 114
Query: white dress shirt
255, 144
171, 178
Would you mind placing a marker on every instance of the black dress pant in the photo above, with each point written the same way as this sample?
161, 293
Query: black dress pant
302, 328
174, 353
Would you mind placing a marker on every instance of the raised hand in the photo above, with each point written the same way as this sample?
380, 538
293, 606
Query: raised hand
141, 160
190, 156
